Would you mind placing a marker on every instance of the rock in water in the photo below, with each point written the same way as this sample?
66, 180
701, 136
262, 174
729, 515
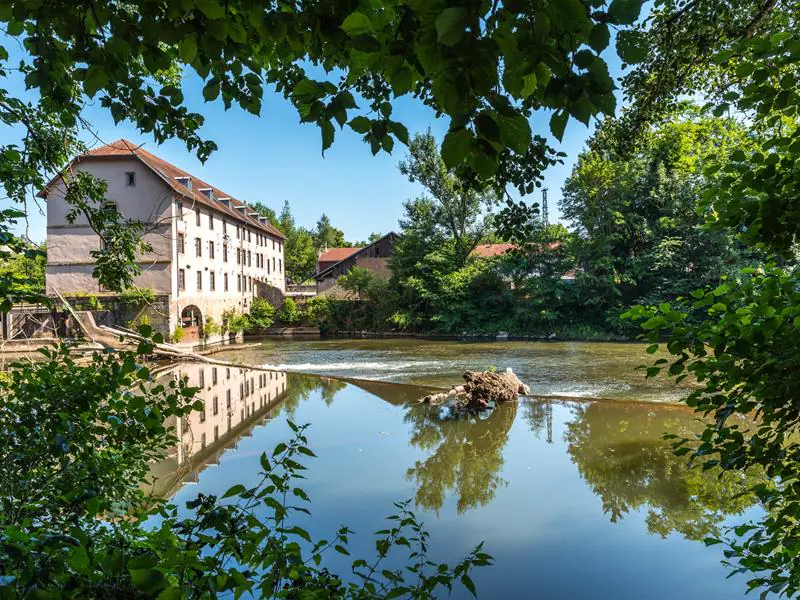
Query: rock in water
482, 388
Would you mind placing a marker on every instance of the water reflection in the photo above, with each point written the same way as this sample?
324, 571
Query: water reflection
621, 454
465, 454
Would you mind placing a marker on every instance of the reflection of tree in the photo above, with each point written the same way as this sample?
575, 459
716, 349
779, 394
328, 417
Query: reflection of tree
620, 452
539, 415
300, 387
466, 454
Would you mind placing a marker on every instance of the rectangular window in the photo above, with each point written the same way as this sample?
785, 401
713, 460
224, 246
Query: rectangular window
273, 244
198, 247
248, 236
199, 281
197, 217
280, 265
238, 256
216, 432
249, 262
228, 399
213, 375
215, 406
238, 283
211, 221
225, 284
238, 233
267, 266
130, 179
203, 438
224, 252
181, 243
179, 209
224, 226
201, 378
212, 283
211, 250
181, 279
273, 263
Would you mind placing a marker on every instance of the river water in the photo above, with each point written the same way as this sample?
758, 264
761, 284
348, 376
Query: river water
574, 499
564, 369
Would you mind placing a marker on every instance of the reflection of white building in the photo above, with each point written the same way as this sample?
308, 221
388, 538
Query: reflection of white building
210, 251
234, 400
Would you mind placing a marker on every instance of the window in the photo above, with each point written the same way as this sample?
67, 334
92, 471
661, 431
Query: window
215, 406
179, 209
249, 261
130, 178
201, 378
198, 247
225, 288
238, 283
267, 266
199, 281
216, 432
203, 440
227, 372
273, 244
238, 256
280, 265
181, 243
181, 279
203, 415
224, 252
213, 375
228, 399
211, 250
211, 221
238, 233
197, 217
248, 236
224, 226
212, 283
273, 263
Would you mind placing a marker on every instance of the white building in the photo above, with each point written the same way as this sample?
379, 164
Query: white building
210, 251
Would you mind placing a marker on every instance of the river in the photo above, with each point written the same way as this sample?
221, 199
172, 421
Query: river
574, 499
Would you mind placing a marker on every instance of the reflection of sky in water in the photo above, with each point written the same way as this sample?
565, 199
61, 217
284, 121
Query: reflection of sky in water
571, 369
574, 500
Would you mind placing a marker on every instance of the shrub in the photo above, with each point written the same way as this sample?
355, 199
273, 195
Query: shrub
137, 295
94, 303
233, 322
210, 327
177, 334
289, 314
262, 314
317, 312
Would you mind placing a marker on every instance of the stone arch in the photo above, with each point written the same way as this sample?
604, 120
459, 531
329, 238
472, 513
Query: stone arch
192, 323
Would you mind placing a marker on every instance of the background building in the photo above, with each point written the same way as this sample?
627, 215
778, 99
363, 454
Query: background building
335, 262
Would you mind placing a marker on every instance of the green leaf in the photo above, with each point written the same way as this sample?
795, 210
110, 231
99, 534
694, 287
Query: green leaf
456, 146
360, 124
467, 582
515, 132
187, 48
356, 23
211, 90
631, 47
307, 90
624, 12
487, 126
328, 133
234, 491
599, 37
211, 8
450, 25
147, 580
558, 123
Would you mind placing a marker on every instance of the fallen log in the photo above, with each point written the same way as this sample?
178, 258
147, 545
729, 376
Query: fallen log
482, 389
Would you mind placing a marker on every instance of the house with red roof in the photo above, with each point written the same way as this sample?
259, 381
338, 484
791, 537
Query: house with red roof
332, 263
210, 252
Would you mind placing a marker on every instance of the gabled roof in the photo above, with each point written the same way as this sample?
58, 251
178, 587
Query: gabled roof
358, 251
337, 254
169, 173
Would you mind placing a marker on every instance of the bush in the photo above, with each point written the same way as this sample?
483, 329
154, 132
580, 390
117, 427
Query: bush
317, 312
137, 296
289, 314
94, 303
262, 314
233, 322
177, 335
210, 327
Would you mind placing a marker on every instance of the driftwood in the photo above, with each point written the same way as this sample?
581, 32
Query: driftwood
482, 389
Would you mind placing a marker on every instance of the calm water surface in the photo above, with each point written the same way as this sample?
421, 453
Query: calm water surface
571, 369
574, 499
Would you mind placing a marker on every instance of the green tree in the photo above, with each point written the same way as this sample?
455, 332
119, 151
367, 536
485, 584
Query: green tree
262, 314
357, 282
23, 272
328, 236
289, 313
299, 250
265, 211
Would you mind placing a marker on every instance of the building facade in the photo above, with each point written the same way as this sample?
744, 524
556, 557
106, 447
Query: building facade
335, 262
209, 251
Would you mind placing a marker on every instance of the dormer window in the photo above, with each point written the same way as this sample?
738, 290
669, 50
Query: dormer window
130, 178
185, 182
226, 201
207, 192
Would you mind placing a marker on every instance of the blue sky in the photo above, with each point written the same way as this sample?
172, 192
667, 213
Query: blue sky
273, 157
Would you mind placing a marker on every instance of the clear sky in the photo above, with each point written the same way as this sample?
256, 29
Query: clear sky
273, 157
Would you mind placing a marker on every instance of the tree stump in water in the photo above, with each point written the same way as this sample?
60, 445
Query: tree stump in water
481, 389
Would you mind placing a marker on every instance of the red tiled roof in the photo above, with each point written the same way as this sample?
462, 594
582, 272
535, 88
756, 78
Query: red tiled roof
337, 254
169, 172
488, 250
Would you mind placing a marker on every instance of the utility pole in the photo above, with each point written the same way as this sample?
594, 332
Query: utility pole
545, 216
